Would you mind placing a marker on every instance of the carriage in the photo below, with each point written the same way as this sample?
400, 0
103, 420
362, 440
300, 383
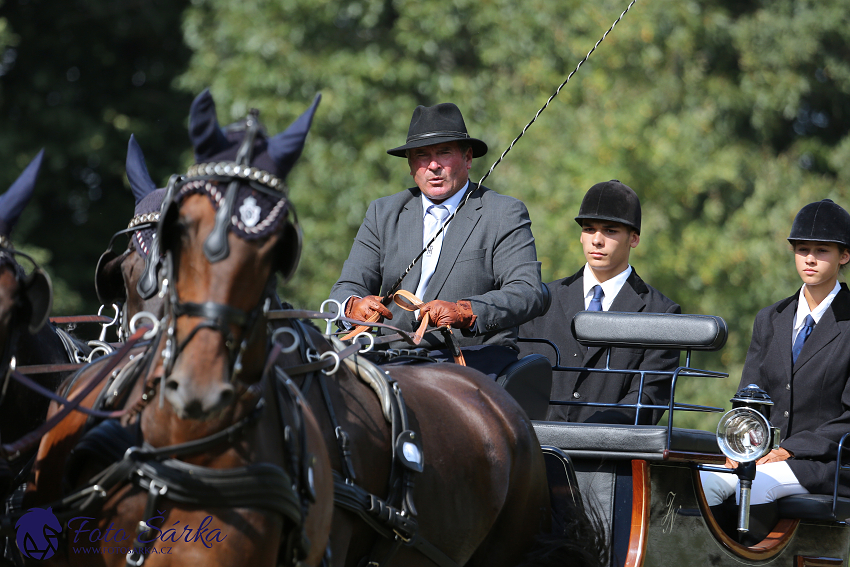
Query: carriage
643, 480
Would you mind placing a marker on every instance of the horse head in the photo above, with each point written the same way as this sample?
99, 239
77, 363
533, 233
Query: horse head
25, 299
132, 278
226, 229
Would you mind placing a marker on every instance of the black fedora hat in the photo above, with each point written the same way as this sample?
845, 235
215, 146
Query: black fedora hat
438, 124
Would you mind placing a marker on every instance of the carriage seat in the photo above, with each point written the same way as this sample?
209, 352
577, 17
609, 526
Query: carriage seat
649, 330
814, 507
529, 381
622, 442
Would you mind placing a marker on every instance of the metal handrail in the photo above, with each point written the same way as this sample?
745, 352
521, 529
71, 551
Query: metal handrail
686, 370
838, 467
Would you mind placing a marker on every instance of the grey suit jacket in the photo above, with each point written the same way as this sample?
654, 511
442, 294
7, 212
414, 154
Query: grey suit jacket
488, 257
555, 325
811, 396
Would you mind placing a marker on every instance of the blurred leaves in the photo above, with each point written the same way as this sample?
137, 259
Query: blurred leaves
77, 77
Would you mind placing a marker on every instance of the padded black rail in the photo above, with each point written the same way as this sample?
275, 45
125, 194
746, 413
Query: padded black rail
649, 330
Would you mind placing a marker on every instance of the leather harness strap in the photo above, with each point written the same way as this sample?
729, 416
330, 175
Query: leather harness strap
389, 522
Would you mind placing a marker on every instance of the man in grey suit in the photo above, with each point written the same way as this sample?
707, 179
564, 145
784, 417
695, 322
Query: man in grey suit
481, 274
609, 217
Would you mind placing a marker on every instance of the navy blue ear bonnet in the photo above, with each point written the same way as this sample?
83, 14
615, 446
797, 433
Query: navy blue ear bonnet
12, 204
148, 199
242, 171
13, 201
36, 287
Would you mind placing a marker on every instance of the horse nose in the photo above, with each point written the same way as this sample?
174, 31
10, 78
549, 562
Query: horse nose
194, 402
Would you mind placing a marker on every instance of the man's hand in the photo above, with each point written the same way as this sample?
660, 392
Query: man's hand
775, 456
447, 314
361, 308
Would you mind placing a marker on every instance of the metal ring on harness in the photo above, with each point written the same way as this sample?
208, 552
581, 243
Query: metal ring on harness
371, 338
296, 341
329, 322
150, 317
335, 356
99, 348
105, 326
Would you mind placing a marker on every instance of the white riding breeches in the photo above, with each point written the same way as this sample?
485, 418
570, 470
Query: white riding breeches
773, 481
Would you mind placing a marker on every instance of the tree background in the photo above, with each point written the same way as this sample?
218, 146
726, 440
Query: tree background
725, 116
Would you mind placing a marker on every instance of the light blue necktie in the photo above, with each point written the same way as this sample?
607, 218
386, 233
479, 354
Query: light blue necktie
808, 325
434, 218
596, 302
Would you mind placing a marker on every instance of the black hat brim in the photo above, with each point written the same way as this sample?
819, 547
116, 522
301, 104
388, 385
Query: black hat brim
607, 218
479, 148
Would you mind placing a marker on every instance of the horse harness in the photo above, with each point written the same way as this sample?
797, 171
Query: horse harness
393, 518
288, 491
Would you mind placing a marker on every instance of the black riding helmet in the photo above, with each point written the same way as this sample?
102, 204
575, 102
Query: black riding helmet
611, 201
822, 221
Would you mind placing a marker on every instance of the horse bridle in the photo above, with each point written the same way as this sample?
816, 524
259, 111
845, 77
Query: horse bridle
148, 283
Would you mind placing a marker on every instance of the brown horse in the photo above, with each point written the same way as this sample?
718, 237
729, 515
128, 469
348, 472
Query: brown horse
479, 497
252, 458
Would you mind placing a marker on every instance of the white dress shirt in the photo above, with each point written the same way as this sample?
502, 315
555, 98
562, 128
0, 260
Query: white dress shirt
610, 287
803, 310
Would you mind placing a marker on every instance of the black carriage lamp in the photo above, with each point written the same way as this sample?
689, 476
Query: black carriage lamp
745, 435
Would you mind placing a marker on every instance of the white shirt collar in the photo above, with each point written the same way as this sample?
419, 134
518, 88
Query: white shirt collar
451, 203
817, 313
610, 287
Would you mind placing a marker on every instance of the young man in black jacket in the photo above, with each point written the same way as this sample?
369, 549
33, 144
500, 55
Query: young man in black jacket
610, 218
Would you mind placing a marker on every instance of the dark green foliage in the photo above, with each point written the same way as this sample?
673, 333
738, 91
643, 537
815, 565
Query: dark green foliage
78, 77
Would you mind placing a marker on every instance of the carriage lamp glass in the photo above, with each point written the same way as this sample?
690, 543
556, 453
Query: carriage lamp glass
744, 435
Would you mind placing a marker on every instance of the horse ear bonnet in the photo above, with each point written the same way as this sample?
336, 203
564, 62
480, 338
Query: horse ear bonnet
13, 201
260, 207
37, 288
109, 281
148, 203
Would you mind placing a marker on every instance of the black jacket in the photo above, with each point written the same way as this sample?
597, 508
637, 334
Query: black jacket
811, 397
567, 300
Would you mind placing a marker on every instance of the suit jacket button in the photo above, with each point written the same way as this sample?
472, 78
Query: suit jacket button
786, 414
576, 395
787, 386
